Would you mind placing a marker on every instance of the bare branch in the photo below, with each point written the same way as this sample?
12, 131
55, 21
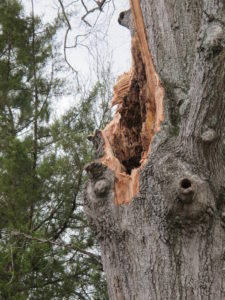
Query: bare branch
96, 257
12, 266
65, 15
99, 7
85, 7
69, 27
49, 217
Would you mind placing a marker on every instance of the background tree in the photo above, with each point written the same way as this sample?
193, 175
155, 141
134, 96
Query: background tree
46, 247
168, 241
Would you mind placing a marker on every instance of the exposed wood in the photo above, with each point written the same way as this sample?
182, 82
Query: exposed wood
138, 95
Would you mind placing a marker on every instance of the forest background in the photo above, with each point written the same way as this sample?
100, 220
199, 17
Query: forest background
56, 78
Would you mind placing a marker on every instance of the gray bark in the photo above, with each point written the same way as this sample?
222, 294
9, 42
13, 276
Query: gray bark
169, 242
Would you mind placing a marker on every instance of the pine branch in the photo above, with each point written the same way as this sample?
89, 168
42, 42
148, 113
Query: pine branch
96, 257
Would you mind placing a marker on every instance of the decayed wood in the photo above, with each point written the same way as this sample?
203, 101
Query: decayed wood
168, 242
138, 95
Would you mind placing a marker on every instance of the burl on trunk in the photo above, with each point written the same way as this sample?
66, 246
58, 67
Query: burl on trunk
155, 196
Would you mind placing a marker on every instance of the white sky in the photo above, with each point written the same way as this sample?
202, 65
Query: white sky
112, 40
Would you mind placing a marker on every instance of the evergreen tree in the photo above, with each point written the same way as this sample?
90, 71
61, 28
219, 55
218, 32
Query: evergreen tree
46, 248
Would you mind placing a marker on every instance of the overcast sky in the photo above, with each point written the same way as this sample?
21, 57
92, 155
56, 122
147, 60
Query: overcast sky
109, 39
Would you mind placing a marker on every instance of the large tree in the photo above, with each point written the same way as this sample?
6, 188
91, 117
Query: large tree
156, 192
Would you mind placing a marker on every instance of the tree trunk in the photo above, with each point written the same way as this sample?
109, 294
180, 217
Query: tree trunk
155, 196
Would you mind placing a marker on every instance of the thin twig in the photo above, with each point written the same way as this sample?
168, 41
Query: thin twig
85, 7
99, 7
65, 15
48, 217
49, 241
11, 279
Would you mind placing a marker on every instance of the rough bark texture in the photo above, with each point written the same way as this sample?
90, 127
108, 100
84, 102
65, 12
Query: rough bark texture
169, 241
